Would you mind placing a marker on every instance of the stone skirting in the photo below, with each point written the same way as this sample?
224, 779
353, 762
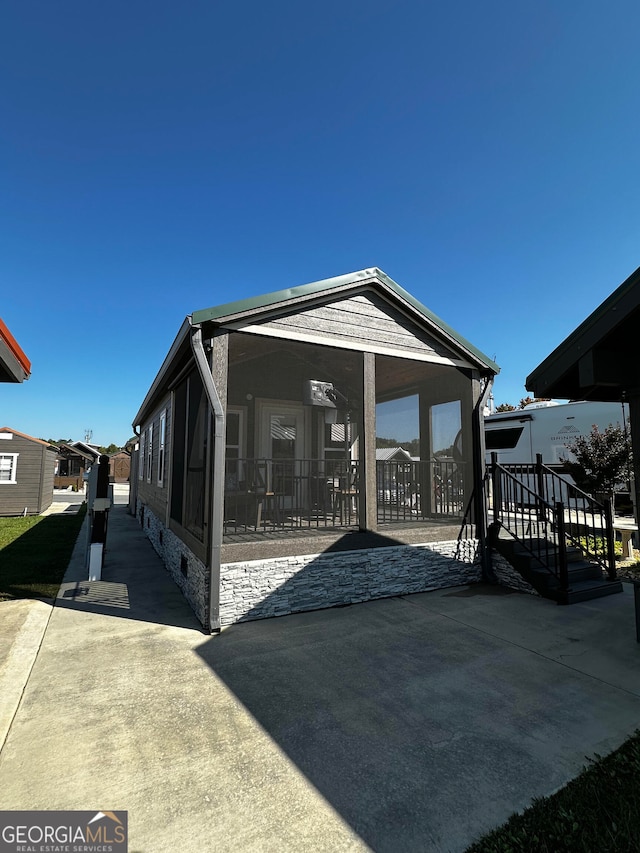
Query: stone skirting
258, 589
507, 576
185, 568
262, 588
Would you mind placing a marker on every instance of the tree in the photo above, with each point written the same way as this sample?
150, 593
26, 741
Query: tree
525, 401
507, 407
113, 448
602, 459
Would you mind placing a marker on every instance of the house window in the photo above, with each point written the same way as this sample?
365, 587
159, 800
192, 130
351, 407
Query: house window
141, 457
161, 443
149, 466
235, 449
8, 467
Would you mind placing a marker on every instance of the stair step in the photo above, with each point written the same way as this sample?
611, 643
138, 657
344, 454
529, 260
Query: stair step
583, 571
587, 590
586, 579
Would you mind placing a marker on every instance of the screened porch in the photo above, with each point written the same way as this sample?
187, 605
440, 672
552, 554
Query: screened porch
304, 422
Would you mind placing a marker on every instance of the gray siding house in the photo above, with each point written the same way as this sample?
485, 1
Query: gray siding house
27, 467
255, 473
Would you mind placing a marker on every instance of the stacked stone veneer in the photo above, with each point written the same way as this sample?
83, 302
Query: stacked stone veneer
178, 559
258, 589
506, 575
275, 587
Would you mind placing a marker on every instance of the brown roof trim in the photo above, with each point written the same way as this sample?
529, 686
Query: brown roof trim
29, 437
15, 350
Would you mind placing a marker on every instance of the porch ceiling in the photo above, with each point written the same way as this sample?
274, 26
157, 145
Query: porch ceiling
394, 376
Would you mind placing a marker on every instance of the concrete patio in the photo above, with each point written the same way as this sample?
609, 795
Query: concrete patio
413, 723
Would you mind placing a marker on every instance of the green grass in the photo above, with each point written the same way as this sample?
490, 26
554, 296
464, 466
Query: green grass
597, 545
597, 812
35, 552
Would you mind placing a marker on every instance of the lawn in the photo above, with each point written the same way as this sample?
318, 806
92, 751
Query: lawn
35, 552
597, 812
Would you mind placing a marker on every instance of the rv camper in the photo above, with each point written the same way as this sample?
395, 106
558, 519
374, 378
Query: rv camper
546, 428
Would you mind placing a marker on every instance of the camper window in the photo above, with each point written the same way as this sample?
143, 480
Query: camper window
502, 439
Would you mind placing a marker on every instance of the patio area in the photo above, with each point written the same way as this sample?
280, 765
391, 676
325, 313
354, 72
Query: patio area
416, 722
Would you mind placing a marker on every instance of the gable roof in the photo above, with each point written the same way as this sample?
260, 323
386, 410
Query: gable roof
269, 304
386, 454
28, 437
612, 329
259, 308
14, 364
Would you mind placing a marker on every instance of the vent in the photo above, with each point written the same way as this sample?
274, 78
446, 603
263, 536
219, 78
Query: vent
184, 565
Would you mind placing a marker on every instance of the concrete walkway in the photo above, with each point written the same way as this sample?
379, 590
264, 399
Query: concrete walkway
412, 723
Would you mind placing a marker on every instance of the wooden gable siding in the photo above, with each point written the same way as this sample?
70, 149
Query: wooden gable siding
365, 321
34, 474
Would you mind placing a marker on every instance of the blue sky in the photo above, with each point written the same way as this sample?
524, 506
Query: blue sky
158, 158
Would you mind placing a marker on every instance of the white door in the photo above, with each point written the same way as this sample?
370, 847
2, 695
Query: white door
282, 442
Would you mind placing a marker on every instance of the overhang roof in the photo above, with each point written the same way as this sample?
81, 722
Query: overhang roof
597, 361
269, 304
280, 302
14, 364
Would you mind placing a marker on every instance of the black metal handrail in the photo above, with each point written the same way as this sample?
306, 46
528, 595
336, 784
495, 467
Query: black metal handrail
588, 522
534, 522
583, 521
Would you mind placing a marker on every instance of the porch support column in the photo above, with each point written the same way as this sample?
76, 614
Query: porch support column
368, 514
219, 363
211, 365
633, 398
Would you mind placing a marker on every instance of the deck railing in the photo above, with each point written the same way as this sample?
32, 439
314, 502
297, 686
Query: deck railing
545, 513
290, 494
420, 490
263, 495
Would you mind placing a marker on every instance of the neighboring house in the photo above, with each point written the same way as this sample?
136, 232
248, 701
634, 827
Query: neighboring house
74, 460
119, 467
392, 454
255, 472
599, 361
14, 365
27, 468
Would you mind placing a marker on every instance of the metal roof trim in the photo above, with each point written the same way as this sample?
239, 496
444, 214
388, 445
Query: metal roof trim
21, 361
232, 311
164, 368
